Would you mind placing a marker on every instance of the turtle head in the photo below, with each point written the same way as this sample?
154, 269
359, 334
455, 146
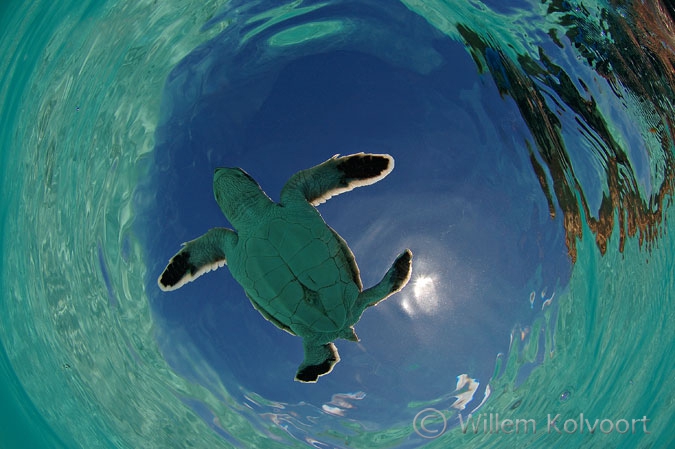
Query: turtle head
239, 196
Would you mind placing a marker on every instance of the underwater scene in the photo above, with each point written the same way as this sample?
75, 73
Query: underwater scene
522, 150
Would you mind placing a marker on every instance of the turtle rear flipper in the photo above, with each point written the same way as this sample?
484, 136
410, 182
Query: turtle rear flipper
319, 360
199, 256
335, 176
396, 278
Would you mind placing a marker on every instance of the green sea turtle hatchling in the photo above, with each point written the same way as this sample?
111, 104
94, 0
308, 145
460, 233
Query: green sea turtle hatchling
296, 270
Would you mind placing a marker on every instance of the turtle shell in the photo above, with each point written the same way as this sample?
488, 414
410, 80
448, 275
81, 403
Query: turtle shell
298, 273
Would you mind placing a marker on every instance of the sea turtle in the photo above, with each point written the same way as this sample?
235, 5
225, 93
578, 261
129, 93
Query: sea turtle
296, 270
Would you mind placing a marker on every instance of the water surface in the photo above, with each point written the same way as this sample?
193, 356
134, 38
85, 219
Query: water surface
534, 150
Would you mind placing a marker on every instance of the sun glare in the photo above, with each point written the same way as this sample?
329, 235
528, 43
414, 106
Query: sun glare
423, 286
424, 298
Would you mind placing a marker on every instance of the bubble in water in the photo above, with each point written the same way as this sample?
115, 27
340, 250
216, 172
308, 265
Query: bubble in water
564, 396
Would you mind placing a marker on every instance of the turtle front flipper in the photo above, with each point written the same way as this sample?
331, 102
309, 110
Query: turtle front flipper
335, 176
199, 256
396, 278
319, 360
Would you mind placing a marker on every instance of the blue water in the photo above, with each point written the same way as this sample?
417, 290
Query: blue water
534, 150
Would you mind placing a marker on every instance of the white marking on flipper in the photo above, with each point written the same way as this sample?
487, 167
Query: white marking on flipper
188, 277
357, 182
201, 255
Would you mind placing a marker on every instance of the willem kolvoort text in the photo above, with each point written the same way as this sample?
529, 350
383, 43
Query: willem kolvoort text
491, 423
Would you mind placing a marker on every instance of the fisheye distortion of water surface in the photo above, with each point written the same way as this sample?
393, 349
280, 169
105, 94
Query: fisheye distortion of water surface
534, 146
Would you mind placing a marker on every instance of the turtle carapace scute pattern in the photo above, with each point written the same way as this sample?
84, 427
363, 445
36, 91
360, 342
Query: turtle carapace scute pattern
295, 269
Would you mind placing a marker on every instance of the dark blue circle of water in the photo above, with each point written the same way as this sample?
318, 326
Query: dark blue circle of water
463, 197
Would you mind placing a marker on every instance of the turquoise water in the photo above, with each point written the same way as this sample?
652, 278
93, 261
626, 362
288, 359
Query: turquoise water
535, 153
